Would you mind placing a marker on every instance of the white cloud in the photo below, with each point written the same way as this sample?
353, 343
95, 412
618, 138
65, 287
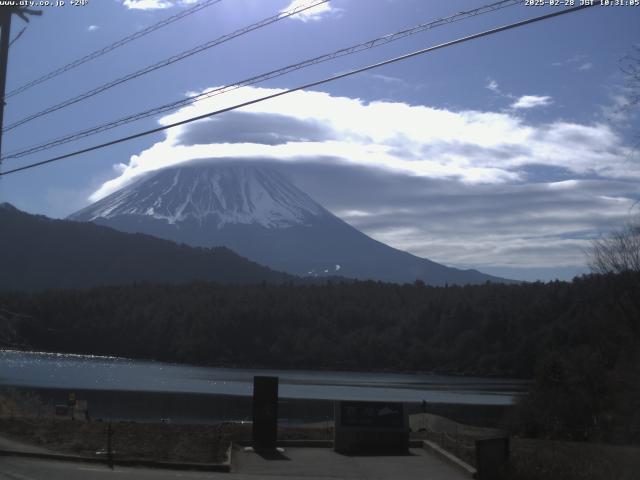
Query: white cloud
472, 146
620, 110
311, 14
389, 79
522, 225
394, 81
147, 4
532, 101
518, 227
577, 58
493, 85
580, 59
154, 4
92, 28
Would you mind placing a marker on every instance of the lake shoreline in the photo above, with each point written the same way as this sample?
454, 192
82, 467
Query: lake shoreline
202, 408
113, 384
248, 366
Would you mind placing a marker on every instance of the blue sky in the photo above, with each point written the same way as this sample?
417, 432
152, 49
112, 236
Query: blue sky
505, 154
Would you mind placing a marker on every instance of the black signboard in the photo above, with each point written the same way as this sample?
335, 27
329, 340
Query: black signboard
371, 427
62, 410
370, 414
265, 412
492, 456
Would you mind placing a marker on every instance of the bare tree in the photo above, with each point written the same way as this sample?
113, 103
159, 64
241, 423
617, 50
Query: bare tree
617, 252
630, 66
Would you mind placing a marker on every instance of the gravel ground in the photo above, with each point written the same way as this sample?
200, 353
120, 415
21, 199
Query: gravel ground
157, 441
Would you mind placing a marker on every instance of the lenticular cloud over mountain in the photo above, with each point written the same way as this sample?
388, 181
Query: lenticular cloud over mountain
418, 140
421, 150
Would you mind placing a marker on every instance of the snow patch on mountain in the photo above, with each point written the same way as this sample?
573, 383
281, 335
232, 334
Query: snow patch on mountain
224, 194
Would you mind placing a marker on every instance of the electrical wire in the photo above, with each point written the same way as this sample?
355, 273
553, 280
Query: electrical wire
308, 85
123, 41
15, 39
166, 62
261, 78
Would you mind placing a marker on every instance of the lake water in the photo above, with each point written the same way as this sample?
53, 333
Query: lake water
93, 373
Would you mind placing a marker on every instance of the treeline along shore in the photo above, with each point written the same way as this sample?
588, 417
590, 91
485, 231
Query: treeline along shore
491, 329
581, 335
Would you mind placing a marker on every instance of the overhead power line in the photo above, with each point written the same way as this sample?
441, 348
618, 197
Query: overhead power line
168, 61
6, 14
307, 85
376, 42
123, 41
15, 39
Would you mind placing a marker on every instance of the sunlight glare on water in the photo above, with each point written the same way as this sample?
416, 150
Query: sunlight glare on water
68, 371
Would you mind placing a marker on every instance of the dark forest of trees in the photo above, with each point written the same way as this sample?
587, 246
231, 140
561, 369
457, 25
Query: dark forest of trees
487, 329
37, 252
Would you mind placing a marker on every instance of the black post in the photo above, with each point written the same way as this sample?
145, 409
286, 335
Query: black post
109, 447
265, 413
5, 24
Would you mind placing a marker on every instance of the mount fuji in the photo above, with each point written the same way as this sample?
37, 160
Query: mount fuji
258, 213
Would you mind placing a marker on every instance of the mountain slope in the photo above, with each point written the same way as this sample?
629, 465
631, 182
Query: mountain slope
216, 195
257, 213
37, 252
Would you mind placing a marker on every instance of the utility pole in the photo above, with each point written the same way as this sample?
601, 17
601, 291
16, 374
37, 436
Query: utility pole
5, 25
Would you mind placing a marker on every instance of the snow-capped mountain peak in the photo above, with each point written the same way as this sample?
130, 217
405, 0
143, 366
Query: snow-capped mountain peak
257, 213
222, 194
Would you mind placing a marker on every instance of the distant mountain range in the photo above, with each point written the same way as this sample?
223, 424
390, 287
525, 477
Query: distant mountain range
256, 212
37, 252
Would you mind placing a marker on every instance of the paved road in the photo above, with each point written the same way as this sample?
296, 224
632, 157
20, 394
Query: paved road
16, 468
296, 463
325, 463
14, 445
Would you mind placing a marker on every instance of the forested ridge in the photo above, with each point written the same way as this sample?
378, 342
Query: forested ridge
37, 253
489, 329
